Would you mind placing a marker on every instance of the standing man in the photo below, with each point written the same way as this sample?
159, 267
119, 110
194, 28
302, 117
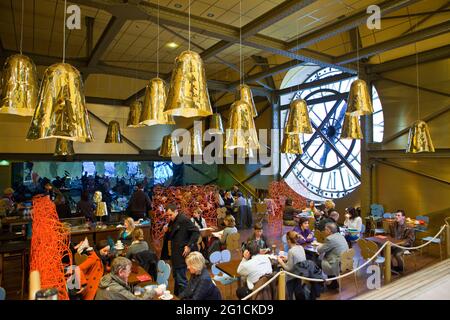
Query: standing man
400, 231
183, 235
139, 204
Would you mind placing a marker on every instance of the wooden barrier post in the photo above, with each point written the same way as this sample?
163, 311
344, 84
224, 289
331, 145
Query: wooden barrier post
35, 284
282, 286
387, 267
447, 231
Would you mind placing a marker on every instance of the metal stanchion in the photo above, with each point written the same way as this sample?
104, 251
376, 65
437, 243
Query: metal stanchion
282, 286
387, 267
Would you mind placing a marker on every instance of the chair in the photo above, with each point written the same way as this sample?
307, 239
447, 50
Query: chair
163, 273
232, 242
376, 211
15, 249
434, 241
387, 216
408, 253
372, 248
2, 294
221, 257
347, 266
368, 249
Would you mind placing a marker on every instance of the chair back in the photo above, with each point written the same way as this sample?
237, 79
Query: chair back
347, 260
376, 210
163, 273
2, 294
362, 244
270, 292
387, 216
320, 236
363, 230
232, 241
372, 248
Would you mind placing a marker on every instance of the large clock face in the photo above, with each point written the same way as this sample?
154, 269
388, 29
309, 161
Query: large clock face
329, 167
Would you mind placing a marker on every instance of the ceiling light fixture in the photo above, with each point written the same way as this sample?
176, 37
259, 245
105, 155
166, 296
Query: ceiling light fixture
172, 45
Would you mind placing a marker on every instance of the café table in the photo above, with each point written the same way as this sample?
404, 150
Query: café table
230, 267
133, 278
380, 240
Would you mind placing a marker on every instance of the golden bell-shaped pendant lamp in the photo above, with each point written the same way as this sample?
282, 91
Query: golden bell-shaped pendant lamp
351, 128
134, 115
215, 124
419, 139
154, 103
196, 143
19, 86
298, 118
64, 148
291, 144
359, 101
169, 147
113, 135
61, 110
245, 94
188, 94
241, 131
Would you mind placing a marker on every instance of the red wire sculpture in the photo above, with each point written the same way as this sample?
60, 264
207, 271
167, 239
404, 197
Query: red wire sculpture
279, 191
188, 198
49, 245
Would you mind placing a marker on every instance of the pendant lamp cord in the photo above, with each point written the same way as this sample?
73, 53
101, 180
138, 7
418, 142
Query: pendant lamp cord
21, 29
357, 50
64, 32
240, 43
189, 25
157, 46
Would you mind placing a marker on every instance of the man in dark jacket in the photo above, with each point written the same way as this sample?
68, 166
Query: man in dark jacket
183, 235
139, 203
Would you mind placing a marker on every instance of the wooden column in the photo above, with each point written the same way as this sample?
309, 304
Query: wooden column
387, 263
282, 286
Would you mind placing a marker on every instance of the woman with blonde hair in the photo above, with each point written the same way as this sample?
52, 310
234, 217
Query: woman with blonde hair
138, 244
126, 235
329, 207
200, 285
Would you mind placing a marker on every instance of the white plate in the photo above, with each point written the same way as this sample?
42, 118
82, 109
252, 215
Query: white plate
169, 297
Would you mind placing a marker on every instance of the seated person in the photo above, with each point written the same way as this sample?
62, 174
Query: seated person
198, 220
126, 236
289, 212
329, 207
312, 208
296, 254
305, 235
200, 285
352, 221
93, 268
230, 228
138, 244
260, 239
332, 218
400, 231
330, 252
252, 267
114, 285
